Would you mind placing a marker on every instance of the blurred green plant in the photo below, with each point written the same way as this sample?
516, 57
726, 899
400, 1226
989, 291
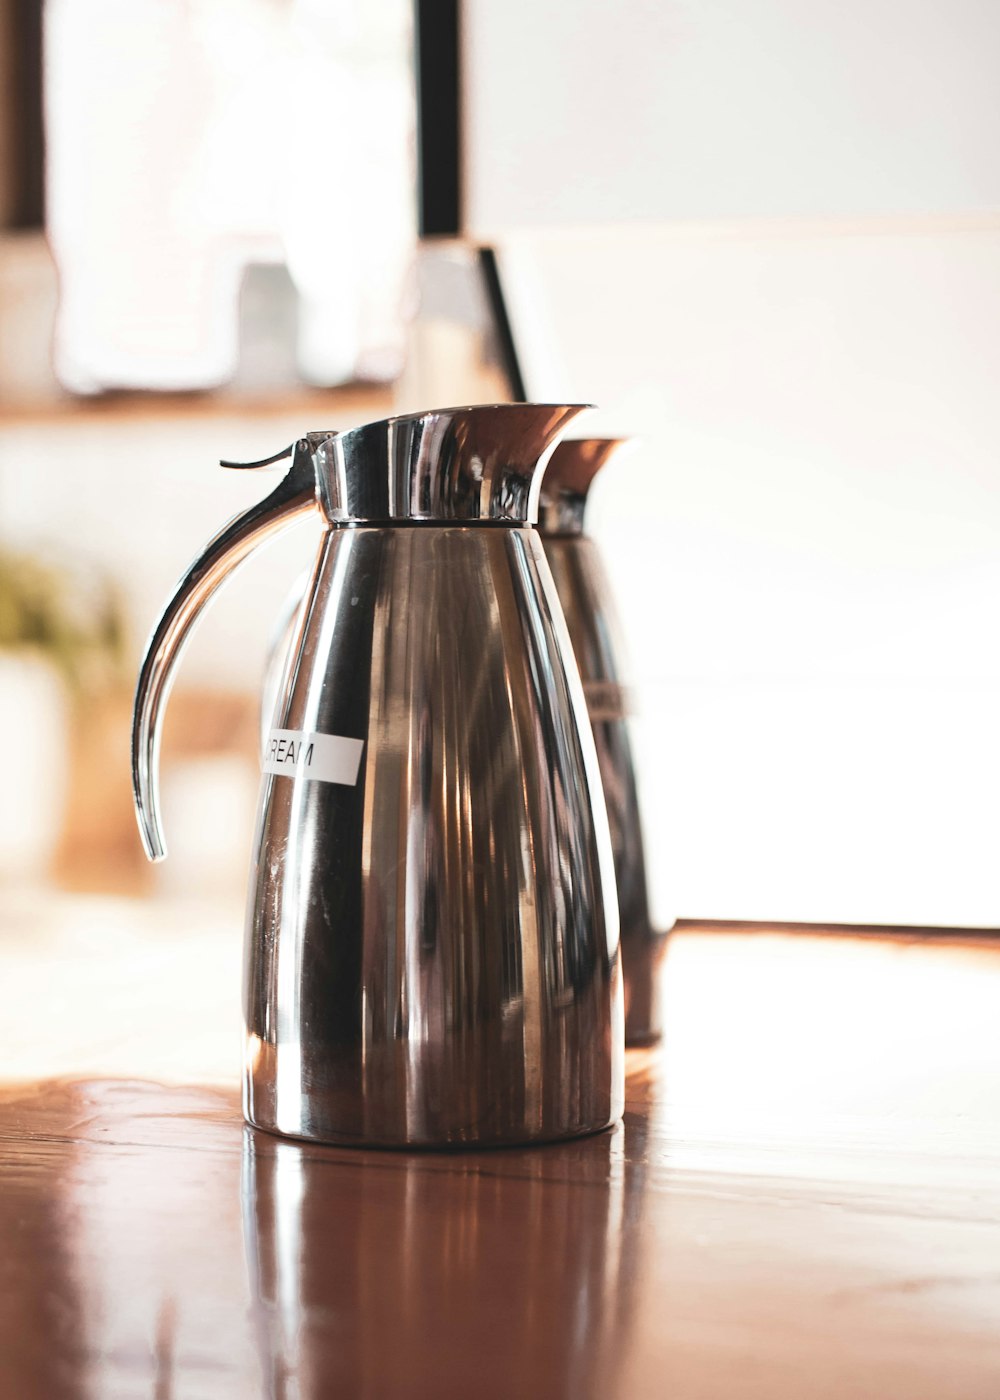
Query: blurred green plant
66, 611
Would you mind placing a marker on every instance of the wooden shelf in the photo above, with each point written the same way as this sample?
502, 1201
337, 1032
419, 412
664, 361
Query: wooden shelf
351, 403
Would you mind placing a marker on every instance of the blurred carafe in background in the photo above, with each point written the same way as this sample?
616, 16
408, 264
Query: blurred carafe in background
585, 593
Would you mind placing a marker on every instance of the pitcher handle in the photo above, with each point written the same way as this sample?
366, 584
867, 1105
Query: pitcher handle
221, 557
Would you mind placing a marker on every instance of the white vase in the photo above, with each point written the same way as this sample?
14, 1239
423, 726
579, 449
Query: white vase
34, 723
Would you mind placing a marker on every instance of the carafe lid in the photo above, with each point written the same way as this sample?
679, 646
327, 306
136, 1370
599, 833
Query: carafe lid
477, 463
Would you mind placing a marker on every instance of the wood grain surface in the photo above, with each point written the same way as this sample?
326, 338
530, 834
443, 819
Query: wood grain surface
803, 1200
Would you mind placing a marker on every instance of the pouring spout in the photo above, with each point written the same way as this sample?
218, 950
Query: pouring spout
572, 467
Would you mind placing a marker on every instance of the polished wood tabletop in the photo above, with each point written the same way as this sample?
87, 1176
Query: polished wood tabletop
803, 1199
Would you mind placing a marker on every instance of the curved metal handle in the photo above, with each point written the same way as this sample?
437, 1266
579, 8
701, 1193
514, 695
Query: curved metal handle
295, 496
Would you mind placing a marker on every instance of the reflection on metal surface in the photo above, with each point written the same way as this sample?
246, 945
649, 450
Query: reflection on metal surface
432, 951
585, 594
430, 955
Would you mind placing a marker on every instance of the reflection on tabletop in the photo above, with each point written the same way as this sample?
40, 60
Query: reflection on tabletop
803, 1197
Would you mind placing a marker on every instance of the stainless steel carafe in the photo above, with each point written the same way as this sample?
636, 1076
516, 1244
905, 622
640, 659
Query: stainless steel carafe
432, 932
588, 605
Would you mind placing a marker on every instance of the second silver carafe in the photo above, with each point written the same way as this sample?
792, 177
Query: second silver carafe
586, 596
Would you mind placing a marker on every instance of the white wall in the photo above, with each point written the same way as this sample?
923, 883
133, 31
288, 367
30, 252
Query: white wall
591, 113
806, 549
784, 276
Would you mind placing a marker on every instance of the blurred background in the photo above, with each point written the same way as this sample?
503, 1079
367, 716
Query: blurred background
763, 236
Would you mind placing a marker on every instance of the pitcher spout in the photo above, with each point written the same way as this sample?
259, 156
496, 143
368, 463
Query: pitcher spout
572, 468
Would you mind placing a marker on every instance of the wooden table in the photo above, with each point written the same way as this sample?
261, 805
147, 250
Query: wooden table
803, 1199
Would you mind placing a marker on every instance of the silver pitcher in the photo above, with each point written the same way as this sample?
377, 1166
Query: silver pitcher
432, 933
586, 597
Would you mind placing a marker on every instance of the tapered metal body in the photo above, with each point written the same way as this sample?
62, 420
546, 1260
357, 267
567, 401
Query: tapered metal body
586, 597
432, 932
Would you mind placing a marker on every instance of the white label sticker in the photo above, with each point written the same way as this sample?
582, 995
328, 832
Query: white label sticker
330, 758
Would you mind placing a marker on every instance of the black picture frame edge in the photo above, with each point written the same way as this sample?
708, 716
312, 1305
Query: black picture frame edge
437, 49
